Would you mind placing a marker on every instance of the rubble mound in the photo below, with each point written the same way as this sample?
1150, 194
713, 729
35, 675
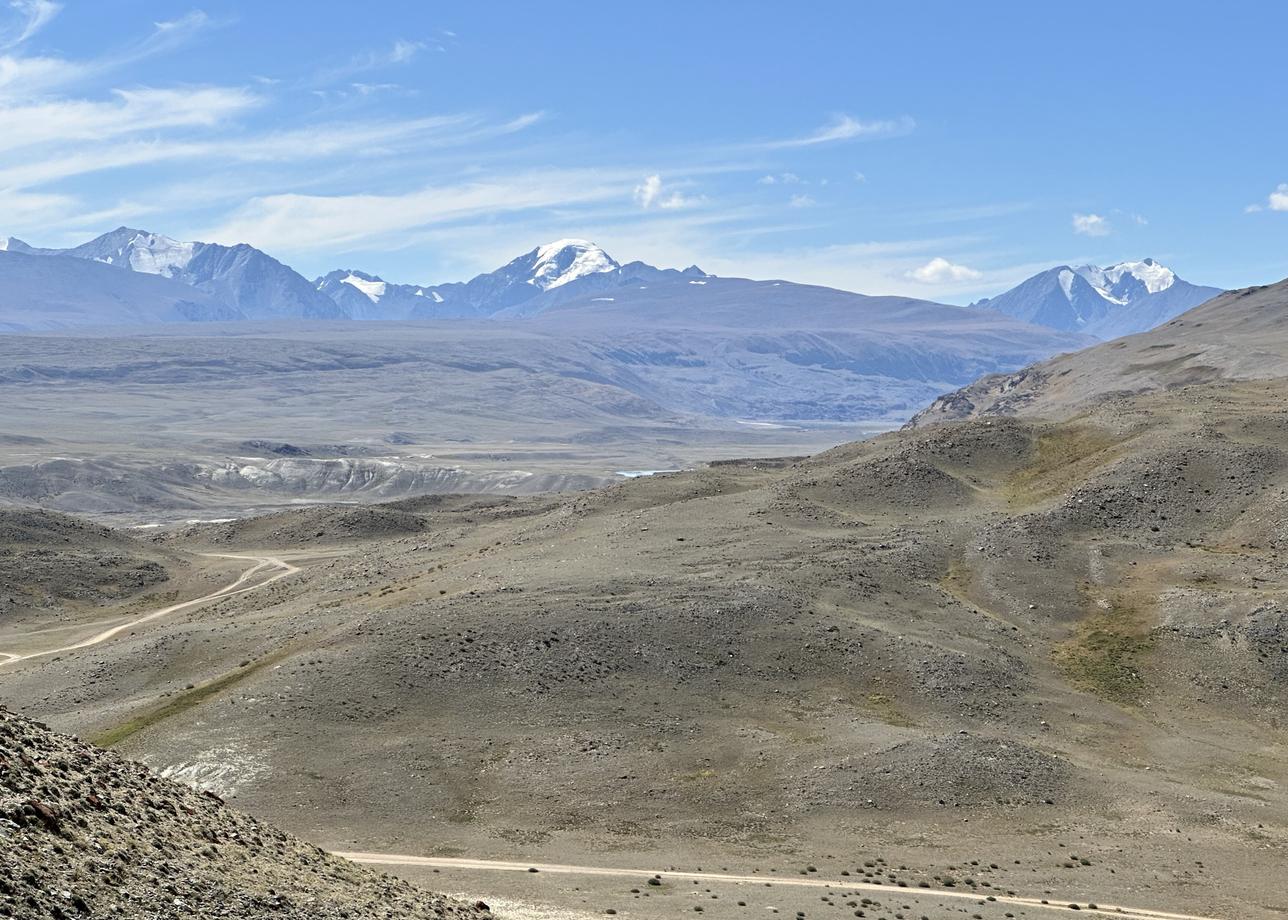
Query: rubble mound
85, 833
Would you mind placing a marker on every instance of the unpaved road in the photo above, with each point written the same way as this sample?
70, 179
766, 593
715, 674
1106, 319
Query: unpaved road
1052, 903
262, 565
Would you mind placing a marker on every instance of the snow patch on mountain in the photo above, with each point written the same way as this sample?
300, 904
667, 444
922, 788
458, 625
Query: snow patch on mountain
154, 254
563, 261
1155, 277
1108, 282
374, 289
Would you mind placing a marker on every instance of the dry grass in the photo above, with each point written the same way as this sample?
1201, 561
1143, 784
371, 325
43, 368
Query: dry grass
1064, 456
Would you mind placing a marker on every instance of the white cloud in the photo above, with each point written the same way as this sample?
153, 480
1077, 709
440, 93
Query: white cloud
36, 15
860, 177
843, 127
940, 271
647, 191
801, 201
1091, 225
651, 193
1276, 201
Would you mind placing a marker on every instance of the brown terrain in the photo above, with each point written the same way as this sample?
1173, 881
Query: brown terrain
1036, 654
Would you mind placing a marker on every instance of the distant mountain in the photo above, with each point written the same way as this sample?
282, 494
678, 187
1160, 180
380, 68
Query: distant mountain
546, 276
735, 348
1105, 303
369, 297
246, 280
40, 292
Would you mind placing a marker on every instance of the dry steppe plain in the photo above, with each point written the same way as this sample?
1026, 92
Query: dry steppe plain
1046, 657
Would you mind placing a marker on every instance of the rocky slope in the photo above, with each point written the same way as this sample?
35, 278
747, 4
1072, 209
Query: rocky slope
85, 833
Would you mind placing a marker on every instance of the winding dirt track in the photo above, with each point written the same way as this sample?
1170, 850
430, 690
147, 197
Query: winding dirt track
1101, 910
261, 566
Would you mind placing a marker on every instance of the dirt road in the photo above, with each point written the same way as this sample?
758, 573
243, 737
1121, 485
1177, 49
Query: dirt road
262, 565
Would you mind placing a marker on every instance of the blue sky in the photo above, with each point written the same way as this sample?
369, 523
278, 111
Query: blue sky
945, 150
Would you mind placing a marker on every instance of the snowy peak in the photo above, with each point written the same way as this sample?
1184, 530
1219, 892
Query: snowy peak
140, 251
556, 264
154, 254
1120, 299
1120, 282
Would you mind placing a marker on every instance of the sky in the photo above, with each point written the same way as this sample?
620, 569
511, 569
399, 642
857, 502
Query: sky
943, 150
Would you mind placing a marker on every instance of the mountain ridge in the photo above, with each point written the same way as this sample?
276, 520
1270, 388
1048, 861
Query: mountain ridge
1120, 299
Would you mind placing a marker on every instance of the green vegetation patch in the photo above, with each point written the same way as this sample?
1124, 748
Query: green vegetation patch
1106, 653
182, 702
1064, 456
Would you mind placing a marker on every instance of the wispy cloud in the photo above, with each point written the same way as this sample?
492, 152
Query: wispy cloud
787, 178
34, 15
1091, 225
842, 128
178, 109
127, 112
292, 222
801, 201
402, 51
24, 76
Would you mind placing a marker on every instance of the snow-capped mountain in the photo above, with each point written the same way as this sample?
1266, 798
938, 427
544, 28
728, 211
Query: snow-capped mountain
546, 276
1106, 303
249, 282
545, 268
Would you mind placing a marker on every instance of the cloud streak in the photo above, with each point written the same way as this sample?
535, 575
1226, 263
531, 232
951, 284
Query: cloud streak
844, 128
36, 13
293, 222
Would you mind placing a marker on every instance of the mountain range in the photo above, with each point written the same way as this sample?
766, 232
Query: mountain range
243, 283
1104, 303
